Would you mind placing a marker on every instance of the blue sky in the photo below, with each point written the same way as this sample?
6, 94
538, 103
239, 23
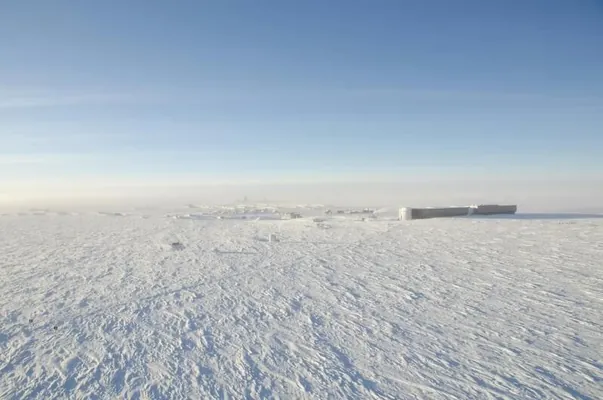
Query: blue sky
285, 90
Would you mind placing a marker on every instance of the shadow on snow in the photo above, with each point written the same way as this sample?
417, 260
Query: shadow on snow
540, 216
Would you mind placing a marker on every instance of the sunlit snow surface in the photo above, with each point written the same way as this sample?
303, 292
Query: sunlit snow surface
101, 305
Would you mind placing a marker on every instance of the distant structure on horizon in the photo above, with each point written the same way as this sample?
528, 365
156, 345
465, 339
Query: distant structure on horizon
408, 213
291, 215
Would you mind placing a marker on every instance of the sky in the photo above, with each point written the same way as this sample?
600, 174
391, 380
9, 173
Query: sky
138, 92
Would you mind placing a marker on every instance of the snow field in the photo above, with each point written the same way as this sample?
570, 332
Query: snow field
438, 309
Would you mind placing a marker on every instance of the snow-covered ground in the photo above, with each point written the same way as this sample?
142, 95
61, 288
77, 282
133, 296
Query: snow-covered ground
101, 305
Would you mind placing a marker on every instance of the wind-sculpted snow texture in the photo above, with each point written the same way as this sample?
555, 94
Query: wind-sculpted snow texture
103, 306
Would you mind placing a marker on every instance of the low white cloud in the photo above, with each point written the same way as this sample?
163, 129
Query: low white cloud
15, 100
23, 159
217, 95
35, 158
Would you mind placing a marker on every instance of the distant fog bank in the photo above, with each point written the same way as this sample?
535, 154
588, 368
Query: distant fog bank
567, 195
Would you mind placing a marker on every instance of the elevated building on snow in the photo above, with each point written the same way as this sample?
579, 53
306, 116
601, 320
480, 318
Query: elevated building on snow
408, 213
